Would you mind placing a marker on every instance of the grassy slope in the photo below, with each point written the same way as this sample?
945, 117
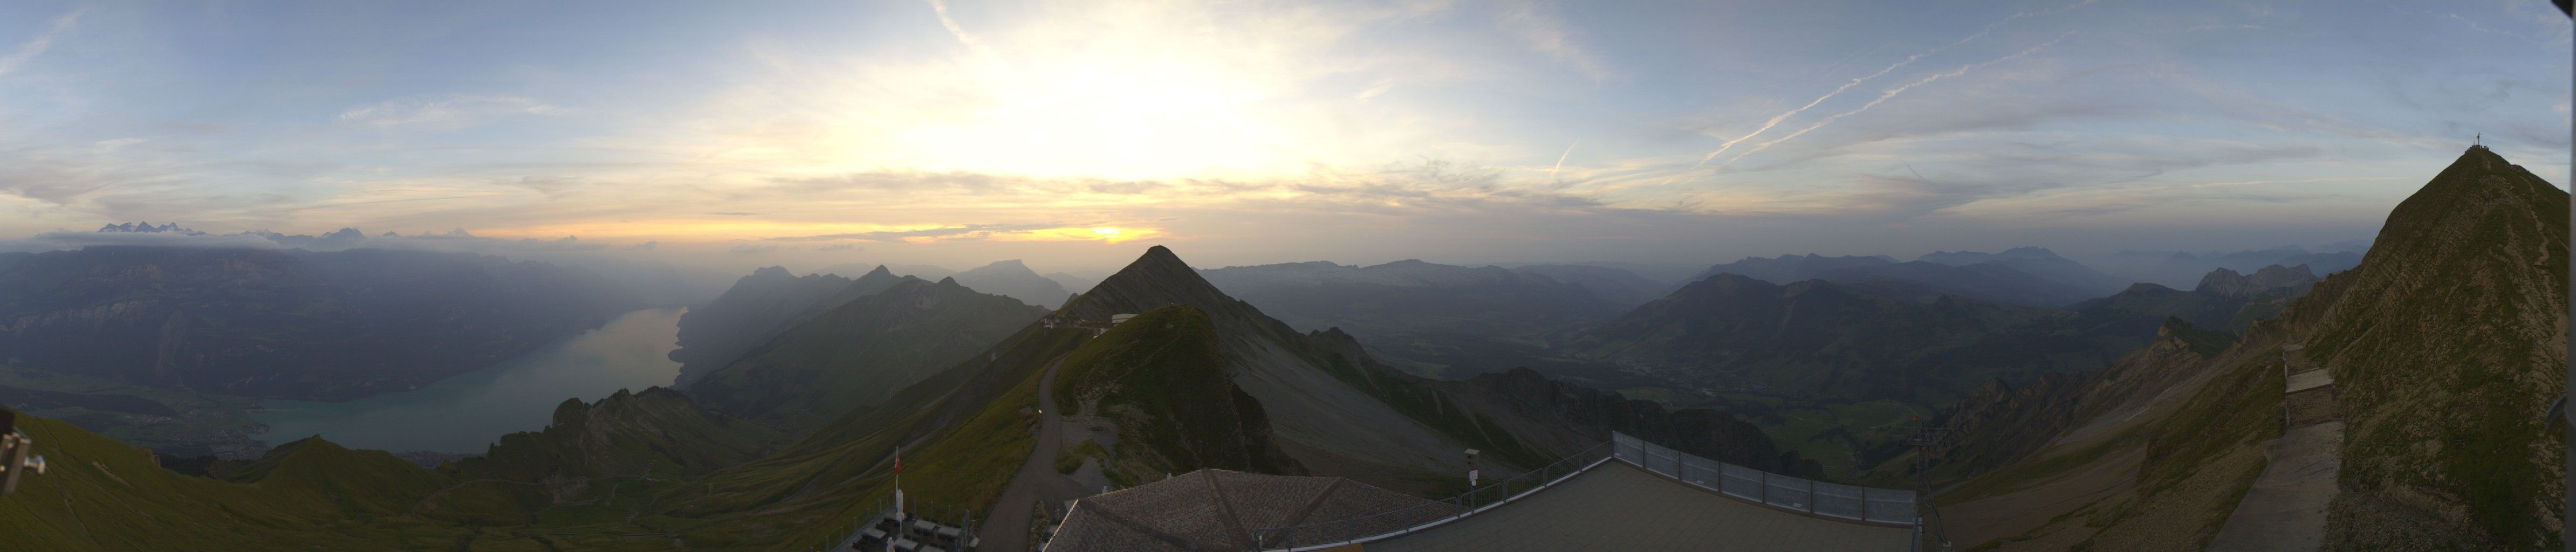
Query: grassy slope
2446, 346
104, 495
2195, 459
857, 353
1161, 379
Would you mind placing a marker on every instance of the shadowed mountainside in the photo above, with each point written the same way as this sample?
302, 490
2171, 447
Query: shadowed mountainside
858, 352
1410, 296
1014, 280
288, 324
2445, 345
2002, 281
756, 309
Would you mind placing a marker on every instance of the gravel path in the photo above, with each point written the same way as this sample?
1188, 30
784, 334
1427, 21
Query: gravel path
1006, 527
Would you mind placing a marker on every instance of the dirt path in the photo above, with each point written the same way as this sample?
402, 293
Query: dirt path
1006, 528
2286, 509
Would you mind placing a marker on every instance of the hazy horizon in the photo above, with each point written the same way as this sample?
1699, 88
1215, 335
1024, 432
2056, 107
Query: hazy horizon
1074, 134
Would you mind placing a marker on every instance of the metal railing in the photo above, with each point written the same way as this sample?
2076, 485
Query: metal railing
1383, 525
1872, 505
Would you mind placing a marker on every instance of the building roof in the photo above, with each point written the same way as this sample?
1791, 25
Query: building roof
1213, 509
1617, 506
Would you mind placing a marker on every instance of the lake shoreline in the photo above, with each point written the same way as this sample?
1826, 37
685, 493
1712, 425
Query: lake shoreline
465, 413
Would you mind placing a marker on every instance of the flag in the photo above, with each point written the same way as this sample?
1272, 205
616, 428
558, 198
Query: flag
898, 461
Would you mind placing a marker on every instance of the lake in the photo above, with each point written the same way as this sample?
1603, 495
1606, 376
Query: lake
466, 413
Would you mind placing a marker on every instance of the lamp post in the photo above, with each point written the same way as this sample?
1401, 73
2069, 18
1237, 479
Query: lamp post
1471, 468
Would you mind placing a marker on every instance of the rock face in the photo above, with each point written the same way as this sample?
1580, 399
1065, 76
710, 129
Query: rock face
858, 352
288, 324
756, 309
1014, 280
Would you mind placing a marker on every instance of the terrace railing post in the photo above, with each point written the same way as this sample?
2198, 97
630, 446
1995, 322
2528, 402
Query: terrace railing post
1811, 495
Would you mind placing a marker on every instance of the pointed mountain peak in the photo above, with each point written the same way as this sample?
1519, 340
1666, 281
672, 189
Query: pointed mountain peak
772, 272
879, 271
1159, 254
2462, 199
1013, 266
1155, 279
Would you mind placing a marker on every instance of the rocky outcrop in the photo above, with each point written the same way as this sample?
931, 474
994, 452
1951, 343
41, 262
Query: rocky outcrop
657, 433
2274, 279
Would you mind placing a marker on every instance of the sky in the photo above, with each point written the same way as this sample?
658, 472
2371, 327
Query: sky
1074, 134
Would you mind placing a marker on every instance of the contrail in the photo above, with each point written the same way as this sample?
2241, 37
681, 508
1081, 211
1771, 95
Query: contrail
1892, 92
1909, 60
941, 7
1775, 119
1560, 159
31, 48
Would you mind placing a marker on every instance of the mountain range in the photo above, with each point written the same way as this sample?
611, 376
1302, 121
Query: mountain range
1198, 379
2029, 276
2440, 347
292, 323
756, 309
2174, 268
856, 353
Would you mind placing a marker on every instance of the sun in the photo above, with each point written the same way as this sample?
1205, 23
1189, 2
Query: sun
1109, 232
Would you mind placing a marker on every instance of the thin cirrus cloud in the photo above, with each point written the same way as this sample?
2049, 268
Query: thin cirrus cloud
1256, 126
453, 110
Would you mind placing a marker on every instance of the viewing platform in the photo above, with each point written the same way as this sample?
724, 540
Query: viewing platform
1626, 494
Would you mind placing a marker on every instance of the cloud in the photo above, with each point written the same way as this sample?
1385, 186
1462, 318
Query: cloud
450, 111
1892, 92
36, 46
946, 232
1909, 60
1547, 35
752, 248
